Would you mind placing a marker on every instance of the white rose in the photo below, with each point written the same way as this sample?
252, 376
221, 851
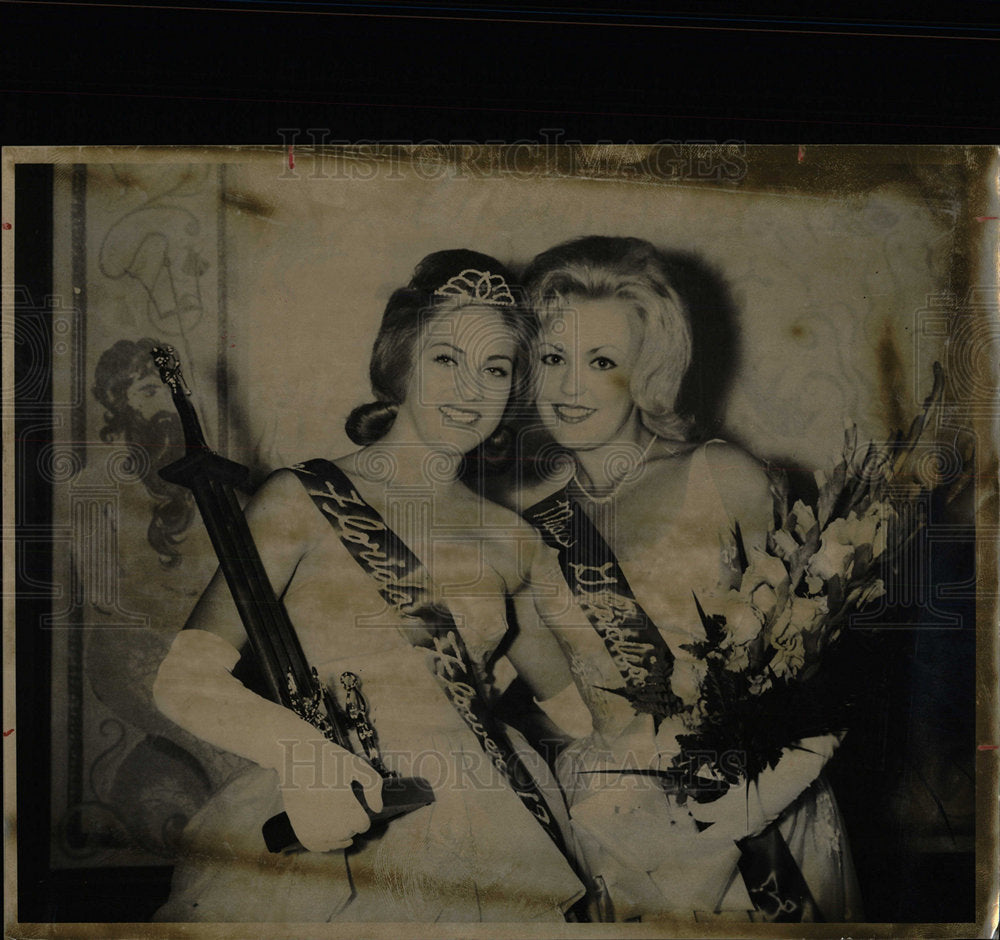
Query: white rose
687, 678
742, 623
790, 655
783, 543
805, 520
835, 556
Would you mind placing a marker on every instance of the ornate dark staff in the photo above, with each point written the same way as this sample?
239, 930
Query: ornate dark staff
287, 674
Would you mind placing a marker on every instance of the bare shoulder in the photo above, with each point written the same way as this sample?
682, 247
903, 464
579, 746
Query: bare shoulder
725, 458
281, 508
740, 477
282, 487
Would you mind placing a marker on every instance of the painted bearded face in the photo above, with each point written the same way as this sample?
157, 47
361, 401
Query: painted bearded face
588, 350
148, 396
138, 411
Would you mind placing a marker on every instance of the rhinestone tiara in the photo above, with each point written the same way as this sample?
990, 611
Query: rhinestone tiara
480, 286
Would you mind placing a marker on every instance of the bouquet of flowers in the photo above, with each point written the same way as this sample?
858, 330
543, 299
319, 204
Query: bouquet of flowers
769, 643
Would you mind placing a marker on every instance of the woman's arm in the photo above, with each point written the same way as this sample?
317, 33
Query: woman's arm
542, 603
745, 490
284, 527
195, 687
747, 809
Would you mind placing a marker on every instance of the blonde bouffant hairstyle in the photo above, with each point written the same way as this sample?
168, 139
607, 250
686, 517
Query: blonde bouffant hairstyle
597, 267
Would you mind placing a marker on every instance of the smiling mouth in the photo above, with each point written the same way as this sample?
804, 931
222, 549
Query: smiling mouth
461, 416
572, 414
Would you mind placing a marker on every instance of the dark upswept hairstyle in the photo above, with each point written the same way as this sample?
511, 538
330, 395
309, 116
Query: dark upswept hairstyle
597, 267
408, 312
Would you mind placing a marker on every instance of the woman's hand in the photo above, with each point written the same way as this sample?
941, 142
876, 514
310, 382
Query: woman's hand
321, 783
747, 809
568, 712
195, 689
543, 608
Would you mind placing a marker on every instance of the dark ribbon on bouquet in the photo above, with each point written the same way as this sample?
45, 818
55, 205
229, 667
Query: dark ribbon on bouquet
602, 591
773, 880
403, 582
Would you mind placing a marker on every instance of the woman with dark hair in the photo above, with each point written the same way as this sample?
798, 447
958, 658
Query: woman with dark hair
644, 527
397, 578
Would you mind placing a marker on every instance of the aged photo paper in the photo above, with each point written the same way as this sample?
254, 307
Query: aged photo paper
827, 288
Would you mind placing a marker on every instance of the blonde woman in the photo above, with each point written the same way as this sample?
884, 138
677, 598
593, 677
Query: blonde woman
644, 524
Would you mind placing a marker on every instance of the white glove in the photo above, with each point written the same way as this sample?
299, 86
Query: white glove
747, 809
195, 689
569, 712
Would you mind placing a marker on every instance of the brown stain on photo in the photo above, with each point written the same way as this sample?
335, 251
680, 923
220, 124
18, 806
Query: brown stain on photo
890, 378
244, 202
619, 381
